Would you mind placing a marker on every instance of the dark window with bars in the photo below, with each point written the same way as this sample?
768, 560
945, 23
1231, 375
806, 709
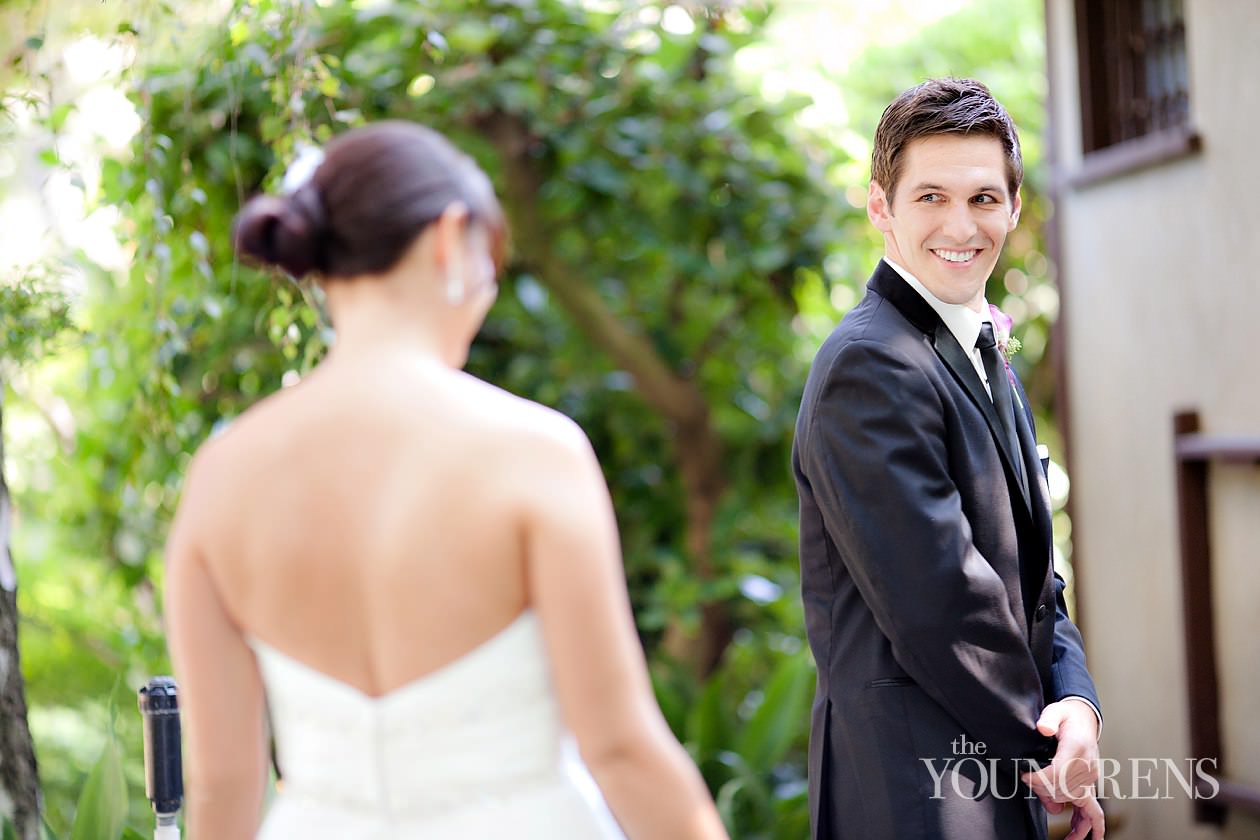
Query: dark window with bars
1133, 69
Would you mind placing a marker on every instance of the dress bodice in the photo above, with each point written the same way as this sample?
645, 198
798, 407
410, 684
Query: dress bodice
477, 737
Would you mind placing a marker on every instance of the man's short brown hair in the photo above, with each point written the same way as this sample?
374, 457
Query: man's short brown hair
942, 106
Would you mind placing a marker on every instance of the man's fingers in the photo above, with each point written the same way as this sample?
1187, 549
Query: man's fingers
1063, 780
1049, 796
1042, 781
1051, 719
1052, 791
1097, 818
1080, 774
1051, 806
1087, 816
1080, 825
1040, 784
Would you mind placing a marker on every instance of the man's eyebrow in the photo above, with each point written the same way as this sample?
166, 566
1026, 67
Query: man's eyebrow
926, 187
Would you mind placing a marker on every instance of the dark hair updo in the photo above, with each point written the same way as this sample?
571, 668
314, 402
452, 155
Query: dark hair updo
376, 190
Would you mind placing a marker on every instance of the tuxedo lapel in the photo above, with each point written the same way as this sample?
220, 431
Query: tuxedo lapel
965, 372
1038, 487
887, 283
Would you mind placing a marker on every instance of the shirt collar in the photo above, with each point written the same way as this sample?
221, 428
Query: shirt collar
961, 320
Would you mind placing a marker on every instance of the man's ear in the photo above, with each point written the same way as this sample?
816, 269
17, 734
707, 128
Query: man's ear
879, 207
1016, 206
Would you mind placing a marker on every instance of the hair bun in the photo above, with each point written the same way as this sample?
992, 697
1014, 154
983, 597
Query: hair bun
284, 231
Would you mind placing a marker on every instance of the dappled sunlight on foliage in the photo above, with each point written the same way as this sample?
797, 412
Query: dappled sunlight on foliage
681, 244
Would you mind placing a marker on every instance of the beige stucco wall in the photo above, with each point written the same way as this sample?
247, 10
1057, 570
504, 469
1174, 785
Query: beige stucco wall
1161, 312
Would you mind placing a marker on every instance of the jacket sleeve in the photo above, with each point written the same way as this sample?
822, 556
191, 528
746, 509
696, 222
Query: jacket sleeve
1070, 677
875, 454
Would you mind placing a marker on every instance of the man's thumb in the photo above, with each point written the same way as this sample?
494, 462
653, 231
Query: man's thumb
1051, 719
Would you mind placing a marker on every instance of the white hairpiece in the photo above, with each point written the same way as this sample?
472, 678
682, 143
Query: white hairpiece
302, 168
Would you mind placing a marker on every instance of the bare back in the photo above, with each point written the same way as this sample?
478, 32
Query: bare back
381, 520
369, 522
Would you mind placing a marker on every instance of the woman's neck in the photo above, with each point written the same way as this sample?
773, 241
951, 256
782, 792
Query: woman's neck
371, 317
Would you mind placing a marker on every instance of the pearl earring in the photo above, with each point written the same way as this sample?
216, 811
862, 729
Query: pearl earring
454, 288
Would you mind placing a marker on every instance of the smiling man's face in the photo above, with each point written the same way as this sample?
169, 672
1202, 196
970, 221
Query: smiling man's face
950, 214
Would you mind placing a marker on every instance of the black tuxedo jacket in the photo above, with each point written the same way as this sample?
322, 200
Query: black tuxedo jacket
931, 604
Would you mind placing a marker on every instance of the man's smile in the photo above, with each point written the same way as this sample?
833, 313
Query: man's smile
956, 257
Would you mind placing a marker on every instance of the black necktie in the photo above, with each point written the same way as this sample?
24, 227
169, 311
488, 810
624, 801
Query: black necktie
1000, 390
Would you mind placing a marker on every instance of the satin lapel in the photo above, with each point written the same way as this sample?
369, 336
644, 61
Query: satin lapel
960, 365
1038, 487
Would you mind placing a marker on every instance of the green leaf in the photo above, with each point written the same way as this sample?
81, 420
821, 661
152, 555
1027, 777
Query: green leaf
59, 115
726, 800
471, 35
780, 719
708, 724
791, 816
329, 86
8, 832
102, 809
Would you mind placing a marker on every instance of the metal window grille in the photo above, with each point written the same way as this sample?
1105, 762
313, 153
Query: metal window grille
1132, 68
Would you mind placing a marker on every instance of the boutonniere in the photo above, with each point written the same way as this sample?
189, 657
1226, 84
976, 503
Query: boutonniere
1007, 344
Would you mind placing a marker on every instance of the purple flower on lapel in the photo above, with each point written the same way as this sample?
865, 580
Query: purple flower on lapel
1008, 346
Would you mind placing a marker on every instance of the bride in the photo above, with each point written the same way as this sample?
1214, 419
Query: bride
413, 575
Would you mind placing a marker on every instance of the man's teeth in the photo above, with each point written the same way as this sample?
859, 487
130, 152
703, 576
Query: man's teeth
955, 256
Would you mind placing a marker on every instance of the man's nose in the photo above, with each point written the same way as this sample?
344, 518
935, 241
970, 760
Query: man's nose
959, 225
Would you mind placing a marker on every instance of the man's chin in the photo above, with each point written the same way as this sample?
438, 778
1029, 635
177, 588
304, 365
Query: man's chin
950, 290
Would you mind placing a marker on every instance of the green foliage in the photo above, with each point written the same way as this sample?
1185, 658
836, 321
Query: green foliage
746, 728
637, 165
689, 203
33, 314
692, 207
102, 807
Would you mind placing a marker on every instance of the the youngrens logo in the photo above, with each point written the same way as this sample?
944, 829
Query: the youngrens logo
972, 774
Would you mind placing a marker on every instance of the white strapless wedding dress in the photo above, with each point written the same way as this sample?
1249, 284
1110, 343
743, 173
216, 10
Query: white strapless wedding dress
474, 750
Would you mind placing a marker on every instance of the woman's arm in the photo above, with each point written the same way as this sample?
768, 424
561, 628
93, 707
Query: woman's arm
220, 693
577, 584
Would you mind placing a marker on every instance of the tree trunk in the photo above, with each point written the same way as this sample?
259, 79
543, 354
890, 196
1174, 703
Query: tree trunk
19, 779
699, 453
697, 445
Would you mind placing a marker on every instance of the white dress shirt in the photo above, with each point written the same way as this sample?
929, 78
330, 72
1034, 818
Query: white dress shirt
960, 319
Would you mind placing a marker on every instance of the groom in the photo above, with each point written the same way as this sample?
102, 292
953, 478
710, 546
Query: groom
948, 670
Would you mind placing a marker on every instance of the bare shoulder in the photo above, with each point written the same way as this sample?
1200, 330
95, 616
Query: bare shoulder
213, 458
525, 428
216, 465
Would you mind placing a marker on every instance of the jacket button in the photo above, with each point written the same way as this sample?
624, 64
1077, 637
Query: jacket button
1042, 609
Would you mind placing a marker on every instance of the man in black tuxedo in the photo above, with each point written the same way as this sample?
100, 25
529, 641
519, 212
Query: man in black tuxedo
948, 669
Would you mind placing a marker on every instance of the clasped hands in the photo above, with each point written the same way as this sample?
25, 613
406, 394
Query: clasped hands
1069, 779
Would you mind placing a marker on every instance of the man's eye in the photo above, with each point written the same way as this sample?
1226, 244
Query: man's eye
984, 198
931, 198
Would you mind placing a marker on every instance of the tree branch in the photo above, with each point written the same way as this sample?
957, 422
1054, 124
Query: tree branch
697, 446
721, 330
667, 392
